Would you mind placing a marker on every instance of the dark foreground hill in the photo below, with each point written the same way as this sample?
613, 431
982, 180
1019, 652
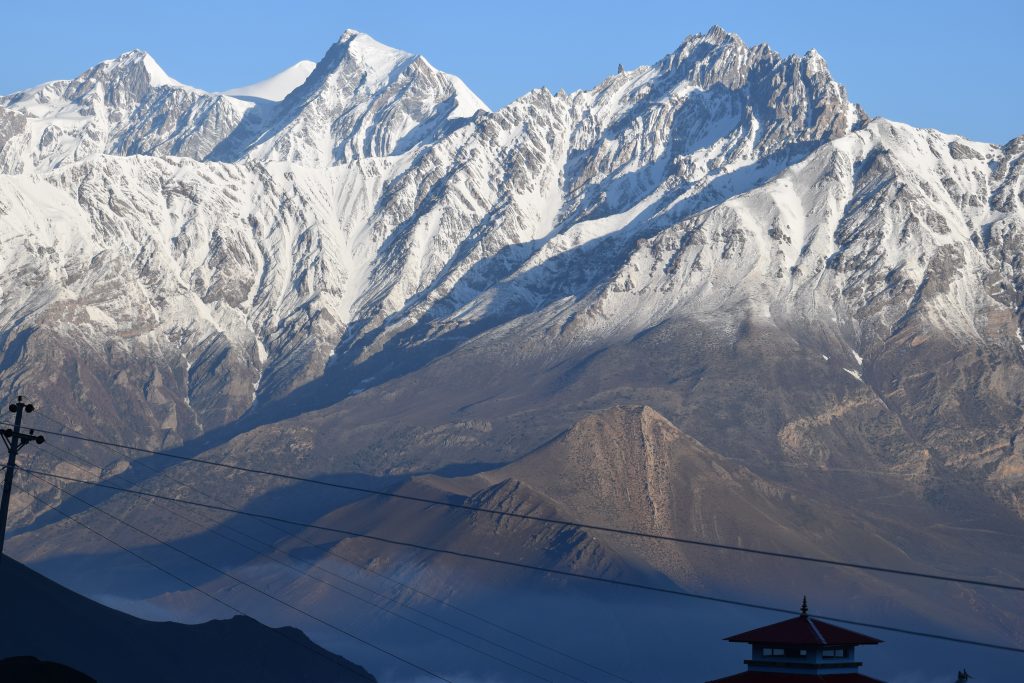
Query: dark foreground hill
45, 620
31, 670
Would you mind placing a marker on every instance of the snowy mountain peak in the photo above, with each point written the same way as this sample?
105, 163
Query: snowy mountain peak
372, 58
715, 41
716, 57
125, 105
796, 95
814, 63
144, 61
124, 79
720, 57
350, 34
717, 35
366, 99
381, 62
363, 99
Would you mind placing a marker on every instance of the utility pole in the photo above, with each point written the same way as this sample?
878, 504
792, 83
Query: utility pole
14, 440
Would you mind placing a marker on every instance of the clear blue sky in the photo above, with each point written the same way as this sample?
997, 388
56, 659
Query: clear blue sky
955, 66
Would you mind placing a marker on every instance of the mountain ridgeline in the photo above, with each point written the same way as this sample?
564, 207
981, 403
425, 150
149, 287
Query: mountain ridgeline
47, 620
709, 297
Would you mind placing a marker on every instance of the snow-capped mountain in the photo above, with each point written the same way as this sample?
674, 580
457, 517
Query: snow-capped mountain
363, 99
379, 206
123, 106
363, 253
429, 200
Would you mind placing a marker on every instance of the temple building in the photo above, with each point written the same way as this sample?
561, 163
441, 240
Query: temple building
800, 650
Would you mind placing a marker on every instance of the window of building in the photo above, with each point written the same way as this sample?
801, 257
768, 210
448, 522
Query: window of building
773, 652
833, 652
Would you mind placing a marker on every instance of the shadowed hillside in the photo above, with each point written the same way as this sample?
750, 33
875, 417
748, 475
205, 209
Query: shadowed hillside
44, 620
31, 670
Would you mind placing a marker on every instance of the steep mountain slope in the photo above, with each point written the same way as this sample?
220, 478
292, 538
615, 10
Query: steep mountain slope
408, 236
124, 106
363, 99
380, 277
49, 621
629, 467
626, 467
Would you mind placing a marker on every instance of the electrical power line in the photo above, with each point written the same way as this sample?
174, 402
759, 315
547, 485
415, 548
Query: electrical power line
290, 564
41, 475
368, 570
565, 523
546, 570
138, 556
340, 662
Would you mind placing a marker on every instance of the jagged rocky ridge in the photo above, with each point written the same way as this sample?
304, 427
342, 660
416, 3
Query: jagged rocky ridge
291, 257
377, 260
381, 199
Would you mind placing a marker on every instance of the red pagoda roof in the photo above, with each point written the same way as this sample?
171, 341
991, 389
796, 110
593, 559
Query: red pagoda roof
765, 677
803, 630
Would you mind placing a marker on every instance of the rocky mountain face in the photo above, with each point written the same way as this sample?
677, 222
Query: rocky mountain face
123, 106
375, 275
362, 99
299, 262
